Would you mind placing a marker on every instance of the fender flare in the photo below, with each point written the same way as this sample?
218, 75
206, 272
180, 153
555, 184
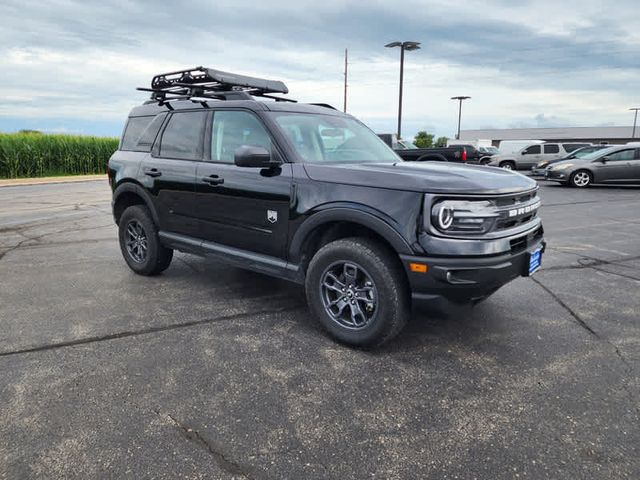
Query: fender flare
130, 187
347, 214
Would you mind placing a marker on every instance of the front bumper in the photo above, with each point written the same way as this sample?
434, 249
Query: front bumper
557, 175
538, 172
468, 279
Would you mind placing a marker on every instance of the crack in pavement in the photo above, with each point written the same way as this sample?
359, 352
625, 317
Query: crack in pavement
229, 466
628, 367
147, 331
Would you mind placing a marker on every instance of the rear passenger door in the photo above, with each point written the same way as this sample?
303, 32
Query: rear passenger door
169, 173
550, 151
245, 208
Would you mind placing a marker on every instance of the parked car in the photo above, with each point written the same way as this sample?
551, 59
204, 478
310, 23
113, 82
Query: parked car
531, 155
309, 194
408, 151
612, 165
539, 169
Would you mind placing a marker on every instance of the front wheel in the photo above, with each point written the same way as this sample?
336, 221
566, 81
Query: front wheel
580, 179
139, 242
358, 292
508, 165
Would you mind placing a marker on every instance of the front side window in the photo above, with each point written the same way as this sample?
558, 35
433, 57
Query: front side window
333, 139
183, 136
532, 150
622, 155
235, 129
551, 148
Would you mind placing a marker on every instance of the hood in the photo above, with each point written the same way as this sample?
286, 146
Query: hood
427, 177
571, 161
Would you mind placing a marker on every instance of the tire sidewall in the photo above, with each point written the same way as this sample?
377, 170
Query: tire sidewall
141, 214
391, 303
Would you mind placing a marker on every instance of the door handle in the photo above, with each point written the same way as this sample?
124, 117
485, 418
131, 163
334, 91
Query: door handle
153, 172
213, 180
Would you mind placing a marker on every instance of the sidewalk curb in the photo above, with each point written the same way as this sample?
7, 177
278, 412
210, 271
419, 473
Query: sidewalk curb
22, 182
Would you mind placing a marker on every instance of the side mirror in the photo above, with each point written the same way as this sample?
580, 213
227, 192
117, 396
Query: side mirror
254, 157
604, 159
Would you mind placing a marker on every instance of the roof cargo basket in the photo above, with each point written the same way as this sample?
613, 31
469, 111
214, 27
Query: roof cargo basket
205, 82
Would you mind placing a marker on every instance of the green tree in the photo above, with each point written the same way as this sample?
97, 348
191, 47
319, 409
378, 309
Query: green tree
441, 142
423, 139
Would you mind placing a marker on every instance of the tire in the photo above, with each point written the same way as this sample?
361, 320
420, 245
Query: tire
581, 179
508, 165
136, 231
382, 307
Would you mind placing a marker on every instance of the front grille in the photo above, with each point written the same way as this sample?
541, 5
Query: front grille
516, 210
520, 243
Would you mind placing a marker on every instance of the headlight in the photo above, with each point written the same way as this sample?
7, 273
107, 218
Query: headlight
564, 166
460, 216
542, 164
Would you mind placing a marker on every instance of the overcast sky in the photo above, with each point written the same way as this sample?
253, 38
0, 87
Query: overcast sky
73, 66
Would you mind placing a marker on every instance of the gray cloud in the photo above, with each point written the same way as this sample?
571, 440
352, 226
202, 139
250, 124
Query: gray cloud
66, 48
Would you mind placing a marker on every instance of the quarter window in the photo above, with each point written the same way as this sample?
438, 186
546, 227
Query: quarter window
183, 136
133, 130
235, 129
551, 148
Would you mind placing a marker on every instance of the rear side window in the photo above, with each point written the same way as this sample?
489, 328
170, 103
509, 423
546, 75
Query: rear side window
551, 148
133, 131
183, 136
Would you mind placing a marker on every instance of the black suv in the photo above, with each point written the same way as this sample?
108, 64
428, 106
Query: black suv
310, 194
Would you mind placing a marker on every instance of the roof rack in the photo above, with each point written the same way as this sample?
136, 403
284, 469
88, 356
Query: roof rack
207, 83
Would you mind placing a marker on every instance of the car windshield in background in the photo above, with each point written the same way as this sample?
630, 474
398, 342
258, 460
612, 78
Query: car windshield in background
599, 153
332, 139
406, 145
583, 152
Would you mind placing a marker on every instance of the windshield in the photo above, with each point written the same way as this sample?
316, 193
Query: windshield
599, 153
406, 145
583, 152
493, 150
333, 139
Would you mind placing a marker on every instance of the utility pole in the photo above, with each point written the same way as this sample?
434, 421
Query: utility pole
635, 120
346, 64
403, 46
460, 99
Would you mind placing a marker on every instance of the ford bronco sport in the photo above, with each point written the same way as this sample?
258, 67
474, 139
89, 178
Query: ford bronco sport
223, 165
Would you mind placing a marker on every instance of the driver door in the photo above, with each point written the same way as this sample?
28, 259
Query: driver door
240, 207
530, 156
617, 168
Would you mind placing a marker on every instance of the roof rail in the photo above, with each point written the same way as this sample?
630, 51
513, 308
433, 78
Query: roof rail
203, 82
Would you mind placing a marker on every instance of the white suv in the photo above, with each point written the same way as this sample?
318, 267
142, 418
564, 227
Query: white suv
530, 155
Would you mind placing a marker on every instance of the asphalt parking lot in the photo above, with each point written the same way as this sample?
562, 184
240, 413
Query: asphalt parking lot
208, 371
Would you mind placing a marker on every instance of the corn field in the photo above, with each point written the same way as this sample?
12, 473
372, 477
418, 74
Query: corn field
34, 154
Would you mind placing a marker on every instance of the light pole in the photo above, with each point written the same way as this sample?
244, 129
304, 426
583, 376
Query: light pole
635, 120
460, 99
403, 46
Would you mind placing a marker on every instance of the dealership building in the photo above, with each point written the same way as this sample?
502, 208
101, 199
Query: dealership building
582, 134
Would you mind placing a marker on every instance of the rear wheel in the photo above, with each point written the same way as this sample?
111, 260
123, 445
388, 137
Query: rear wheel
580, 179
508, 165
139, 242
357, 291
